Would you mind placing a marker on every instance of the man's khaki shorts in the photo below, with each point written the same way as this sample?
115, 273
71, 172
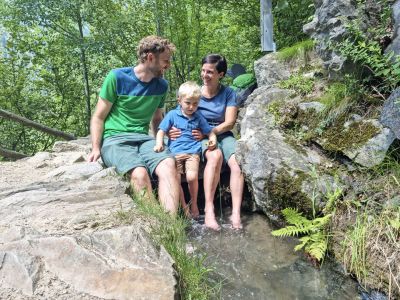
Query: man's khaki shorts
187, 162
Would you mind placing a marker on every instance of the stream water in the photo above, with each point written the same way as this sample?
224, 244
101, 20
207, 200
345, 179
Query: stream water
253, 264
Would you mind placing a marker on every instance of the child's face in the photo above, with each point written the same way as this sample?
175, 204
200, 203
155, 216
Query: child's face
189, 105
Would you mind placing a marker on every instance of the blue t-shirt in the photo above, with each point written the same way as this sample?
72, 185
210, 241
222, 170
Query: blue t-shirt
213, 109
185, 144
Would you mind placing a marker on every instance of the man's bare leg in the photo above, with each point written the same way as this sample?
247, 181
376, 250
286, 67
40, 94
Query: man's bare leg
168, 185
211, 178
236, 185
140, 181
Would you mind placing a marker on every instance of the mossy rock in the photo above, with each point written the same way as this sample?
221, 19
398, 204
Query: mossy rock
339, 138
285, 190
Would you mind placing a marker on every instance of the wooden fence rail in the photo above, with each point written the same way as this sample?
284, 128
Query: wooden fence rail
24, 121
27, 122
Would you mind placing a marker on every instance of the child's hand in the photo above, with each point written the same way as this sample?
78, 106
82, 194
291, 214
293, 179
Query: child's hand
158, 148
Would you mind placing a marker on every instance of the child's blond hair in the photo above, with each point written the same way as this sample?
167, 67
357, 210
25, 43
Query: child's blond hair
189, 89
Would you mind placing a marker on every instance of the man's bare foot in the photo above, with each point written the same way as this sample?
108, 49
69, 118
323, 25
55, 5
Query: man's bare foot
211, 223
194, 210
235, 221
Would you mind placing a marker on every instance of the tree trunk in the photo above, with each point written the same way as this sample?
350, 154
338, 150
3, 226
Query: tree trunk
84, 71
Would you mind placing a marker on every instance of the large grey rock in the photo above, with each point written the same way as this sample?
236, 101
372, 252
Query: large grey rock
60, 238
279, 174
394, 46
78, 145
110, 264
390, 115
328, 25
269, 70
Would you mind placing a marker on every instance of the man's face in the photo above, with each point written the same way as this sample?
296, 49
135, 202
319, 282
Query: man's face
159, 63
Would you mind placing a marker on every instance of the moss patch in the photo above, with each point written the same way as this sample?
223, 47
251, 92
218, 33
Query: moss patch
301, 125
285, 191
337, 138
284, 113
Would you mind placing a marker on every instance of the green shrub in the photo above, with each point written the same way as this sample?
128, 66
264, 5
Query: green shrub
363, 47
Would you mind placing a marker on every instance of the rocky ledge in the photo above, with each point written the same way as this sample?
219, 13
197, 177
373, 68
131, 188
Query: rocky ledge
60, 237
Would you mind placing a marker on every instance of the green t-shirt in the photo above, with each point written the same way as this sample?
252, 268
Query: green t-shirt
134, 102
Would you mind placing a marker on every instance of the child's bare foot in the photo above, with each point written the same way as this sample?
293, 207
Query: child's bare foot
211, 223
194, 210
235, 221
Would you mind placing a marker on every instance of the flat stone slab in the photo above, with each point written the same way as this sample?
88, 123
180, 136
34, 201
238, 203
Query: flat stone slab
60, 237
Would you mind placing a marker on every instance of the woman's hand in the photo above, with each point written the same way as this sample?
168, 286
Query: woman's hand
174, 133
212, 141
197, 134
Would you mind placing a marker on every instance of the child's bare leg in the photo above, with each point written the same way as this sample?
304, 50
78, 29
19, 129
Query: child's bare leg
185, 207
193, 183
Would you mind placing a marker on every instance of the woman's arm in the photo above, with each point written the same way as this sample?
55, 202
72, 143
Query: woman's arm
230, 120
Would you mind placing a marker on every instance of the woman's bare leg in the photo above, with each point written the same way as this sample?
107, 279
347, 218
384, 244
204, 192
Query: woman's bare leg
236, 185
212, 172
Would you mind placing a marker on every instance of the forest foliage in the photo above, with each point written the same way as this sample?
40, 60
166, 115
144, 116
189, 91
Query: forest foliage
54, 55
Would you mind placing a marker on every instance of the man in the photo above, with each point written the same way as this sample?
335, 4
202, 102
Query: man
129, 99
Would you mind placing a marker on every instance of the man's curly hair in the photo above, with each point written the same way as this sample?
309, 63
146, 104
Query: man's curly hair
153, 44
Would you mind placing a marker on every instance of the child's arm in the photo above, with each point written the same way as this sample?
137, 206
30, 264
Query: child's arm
159, 141
212, 141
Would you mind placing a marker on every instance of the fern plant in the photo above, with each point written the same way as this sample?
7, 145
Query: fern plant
315, 239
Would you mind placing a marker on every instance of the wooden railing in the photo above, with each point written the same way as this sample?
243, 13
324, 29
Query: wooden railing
26, 122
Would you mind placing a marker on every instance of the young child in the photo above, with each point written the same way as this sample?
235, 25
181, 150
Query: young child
185, 148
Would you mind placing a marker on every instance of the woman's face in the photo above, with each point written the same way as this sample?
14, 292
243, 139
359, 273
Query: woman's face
210, 75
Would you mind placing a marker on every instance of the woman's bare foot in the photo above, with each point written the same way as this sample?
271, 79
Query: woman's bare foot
194, 210
211, 223
235, 221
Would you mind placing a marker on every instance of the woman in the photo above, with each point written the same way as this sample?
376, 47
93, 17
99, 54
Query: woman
218, 106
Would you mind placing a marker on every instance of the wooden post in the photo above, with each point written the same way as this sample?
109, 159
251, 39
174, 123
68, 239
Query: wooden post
267, 42
24, 121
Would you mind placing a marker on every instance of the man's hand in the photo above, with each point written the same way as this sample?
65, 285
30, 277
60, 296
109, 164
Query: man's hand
174, 133
94, 156
158, 148
198, 135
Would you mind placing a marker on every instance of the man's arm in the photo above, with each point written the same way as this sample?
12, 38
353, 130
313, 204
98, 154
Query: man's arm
155, 122
101, 112
159, 141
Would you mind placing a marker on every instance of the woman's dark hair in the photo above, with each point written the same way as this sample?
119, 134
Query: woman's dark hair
217, 59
